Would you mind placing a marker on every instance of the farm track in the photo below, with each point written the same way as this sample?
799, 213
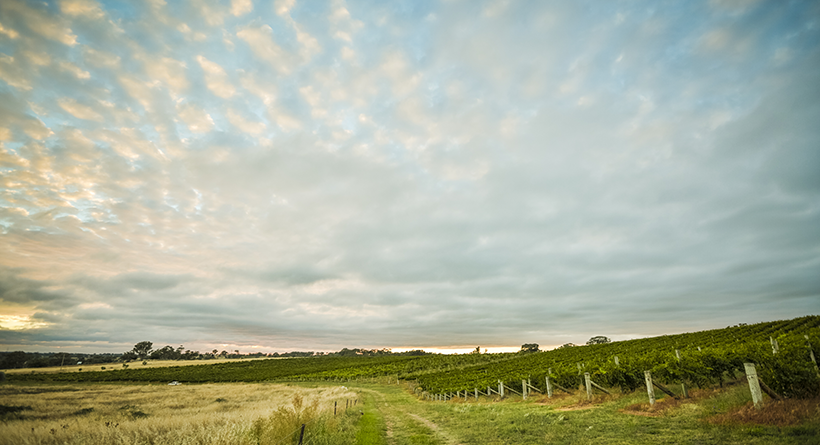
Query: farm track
404, 419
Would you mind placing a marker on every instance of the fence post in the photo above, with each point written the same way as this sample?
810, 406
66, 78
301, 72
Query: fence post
501, 388
588, 384
302, 434
682, 384
754, 384
580, 372
476, 394
811, 354
649, 388
617, 362
549, 388
334, 408
775, 346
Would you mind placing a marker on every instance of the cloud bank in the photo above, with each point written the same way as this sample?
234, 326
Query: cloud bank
319, 175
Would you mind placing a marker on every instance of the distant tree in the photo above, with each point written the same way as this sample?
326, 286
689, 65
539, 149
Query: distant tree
599, 340
529, 347
567, 345
143, 349
165, 353
128, 356
16, 359
477, 350
215, 351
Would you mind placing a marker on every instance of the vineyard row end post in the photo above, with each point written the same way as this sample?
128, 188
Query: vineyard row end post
650, 390
588, 384
811, 354
549, 388
683, 384
754, 384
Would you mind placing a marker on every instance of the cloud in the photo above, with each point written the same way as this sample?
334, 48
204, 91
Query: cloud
216, 79
198, 120
13, 74
260, 40
241, 7
212, 12
74, 70
245, 125
38, 21
10, 33
86, 8
79, 110
168, 70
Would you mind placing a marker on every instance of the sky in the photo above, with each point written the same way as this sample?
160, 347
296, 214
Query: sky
312, 175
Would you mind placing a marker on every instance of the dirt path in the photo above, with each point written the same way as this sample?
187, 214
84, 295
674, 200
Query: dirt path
435, 428
404, 426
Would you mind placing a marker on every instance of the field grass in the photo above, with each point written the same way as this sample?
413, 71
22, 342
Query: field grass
720, 416
267, 413
162, 414
133, 365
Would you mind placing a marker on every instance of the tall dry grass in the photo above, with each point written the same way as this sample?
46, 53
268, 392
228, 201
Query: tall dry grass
160, 414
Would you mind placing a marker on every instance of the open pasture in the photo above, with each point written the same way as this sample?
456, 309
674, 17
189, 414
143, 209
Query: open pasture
157, 414
131, 365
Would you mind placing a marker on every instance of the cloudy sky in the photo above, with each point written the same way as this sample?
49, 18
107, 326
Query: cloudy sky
310, 175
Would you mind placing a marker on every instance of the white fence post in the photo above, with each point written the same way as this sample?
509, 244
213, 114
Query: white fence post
811, 354
649, 389
754, 384
775, 346
682, 384
549, 388
523, 389
588, 384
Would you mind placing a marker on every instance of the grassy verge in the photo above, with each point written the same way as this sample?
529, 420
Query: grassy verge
710, 417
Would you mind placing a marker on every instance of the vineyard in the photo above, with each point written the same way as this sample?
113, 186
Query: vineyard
782, 351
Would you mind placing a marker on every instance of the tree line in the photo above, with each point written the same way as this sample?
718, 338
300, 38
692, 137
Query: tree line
20, 359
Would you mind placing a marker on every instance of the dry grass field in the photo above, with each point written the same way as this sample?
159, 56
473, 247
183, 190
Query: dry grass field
132, 365
161, 414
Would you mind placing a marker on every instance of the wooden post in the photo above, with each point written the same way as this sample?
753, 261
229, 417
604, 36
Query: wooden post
549, 388
754, 384
811, 354
580, 372
775, 346
599, 387
588, 384
476, 394
682, 384
501, 389
769, 391
334, 408
617, 362
523, 389
302, 434
649, 388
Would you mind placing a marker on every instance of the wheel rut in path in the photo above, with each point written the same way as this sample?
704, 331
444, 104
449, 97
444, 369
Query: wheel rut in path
395, 417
